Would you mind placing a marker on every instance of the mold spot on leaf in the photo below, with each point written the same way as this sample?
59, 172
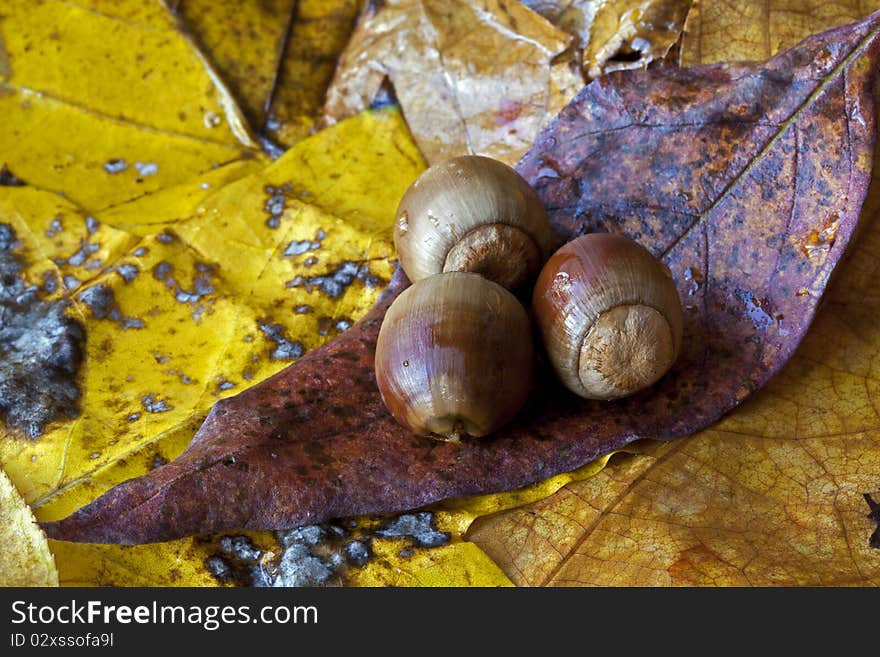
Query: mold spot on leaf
298, 247
55, 227
335, 282
276, 202
285, 348
102, 303
40, 350
236, 561
757, 310
146, 168
153, 405
417, 526
127, 271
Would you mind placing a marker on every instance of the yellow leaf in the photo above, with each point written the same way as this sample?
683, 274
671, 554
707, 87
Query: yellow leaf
480, 78
278, 56
25, 559
105, 108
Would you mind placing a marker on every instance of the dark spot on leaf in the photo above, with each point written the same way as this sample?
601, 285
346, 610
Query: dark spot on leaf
40, 350
285, 348
9, 179
276, 203
102, 303
335, 282
127, 271
153, 405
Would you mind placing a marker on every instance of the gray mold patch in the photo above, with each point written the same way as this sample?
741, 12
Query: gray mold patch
236, 560
318, 555
82, 257
335, 282
55, 228
417, 526
296, 248
224, 384
276, 203
102, 304
153, 405
127, 271
285, 348
202, 285
40, 350
328, 325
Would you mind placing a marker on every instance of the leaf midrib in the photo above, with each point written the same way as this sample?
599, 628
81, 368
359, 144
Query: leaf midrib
783, 127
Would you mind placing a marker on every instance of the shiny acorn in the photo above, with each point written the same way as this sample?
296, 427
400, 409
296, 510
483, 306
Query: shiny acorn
472, 214
454, 356
609, 314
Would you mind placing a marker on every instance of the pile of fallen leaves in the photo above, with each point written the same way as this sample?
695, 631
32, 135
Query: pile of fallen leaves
196, 201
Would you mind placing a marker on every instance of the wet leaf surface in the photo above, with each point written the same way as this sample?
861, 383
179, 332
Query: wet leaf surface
470, 77
730, 150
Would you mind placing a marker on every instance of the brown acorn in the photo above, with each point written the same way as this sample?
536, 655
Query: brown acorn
474, 214
454, 356
609, 314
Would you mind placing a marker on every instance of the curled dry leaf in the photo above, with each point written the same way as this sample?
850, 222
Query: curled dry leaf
477, 78
25, 559
747, 180
278, 56
615, 35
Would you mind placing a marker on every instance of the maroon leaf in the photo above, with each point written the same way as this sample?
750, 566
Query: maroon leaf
747, 180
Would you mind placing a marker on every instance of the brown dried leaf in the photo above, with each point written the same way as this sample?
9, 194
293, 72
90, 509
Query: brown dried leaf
615, 35
470, 77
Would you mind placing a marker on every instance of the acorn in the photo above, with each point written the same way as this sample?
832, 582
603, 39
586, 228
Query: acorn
609, 315
472, 214
454, 356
